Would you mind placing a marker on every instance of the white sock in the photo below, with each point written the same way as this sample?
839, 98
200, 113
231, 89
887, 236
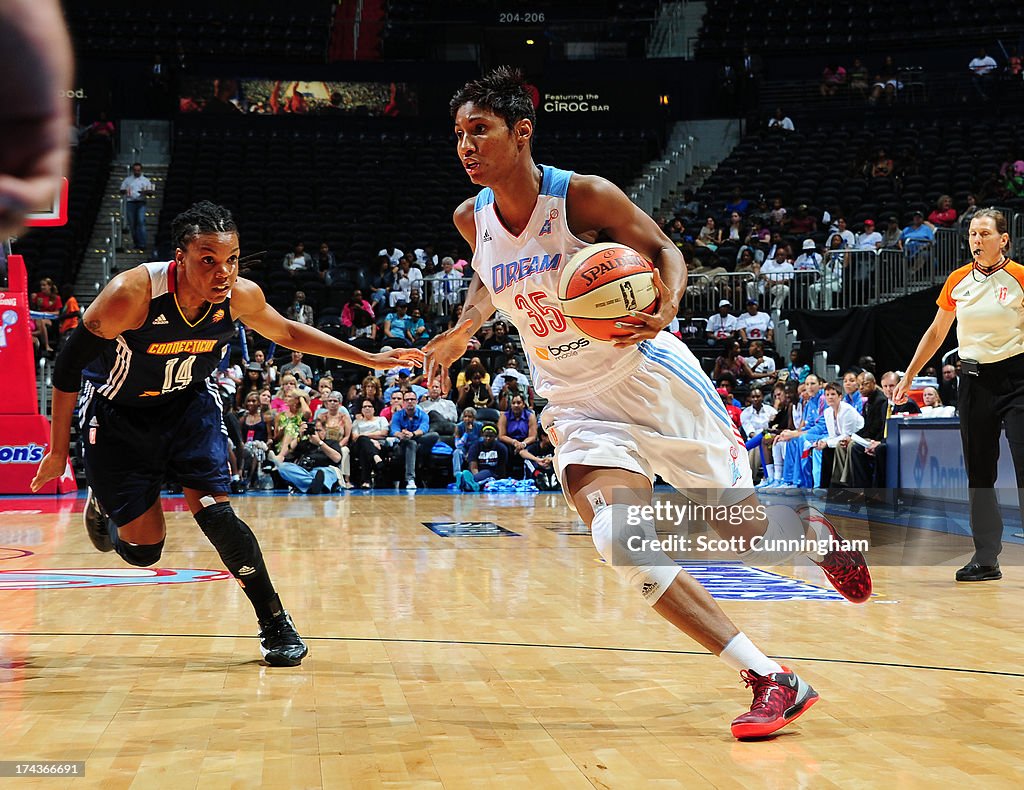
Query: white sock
769, 471
742, 654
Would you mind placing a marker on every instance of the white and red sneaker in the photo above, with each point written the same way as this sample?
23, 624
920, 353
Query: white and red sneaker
846, 569
779, 698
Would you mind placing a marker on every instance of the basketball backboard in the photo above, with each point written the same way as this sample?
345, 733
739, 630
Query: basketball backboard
54, 215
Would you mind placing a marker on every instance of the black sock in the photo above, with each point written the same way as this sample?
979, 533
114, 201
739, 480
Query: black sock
261, 594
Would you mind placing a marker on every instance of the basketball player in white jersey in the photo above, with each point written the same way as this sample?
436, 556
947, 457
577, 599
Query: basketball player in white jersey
618, 413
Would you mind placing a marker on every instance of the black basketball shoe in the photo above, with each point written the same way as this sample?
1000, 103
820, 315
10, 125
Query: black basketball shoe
281, 644
96, 524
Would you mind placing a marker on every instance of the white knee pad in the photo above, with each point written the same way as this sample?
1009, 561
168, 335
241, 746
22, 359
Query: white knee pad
622, 539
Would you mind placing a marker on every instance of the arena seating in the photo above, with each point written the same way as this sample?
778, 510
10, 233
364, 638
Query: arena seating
358, 187
297, 31
783, 27
57, 252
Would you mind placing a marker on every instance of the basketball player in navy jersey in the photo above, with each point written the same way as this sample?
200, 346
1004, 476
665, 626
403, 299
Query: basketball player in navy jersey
147, 346
611, 441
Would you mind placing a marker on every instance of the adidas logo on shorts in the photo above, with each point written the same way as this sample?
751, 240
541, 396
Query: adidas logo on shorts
649, 589
160, 320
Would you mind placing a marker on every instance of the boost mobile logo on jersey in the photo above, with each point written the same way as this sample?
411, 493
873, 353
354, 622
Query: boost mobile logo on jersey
563, 351
26, 454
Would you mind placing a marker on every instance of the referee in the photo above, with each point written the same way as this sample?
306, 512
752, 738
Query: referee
986, 297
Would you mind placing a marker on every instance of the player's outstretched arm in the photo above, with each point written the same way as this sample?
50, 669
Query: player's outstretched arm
122, 305
249, 306
595, 203
448, 346
926, 349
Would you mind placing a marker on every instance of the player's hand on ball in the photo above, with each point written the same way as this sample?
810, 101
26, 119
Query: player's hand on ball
645, 326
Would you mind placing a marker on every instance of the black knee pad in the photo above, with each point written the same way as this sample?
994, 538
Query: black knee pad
139, 556
234, 541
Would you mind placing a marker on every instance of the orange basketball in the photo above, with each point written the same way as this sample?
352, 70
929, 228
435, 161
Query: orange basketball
601, 284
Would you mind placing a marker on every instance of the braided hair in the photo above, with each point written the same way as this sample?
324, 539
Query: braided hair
201, 218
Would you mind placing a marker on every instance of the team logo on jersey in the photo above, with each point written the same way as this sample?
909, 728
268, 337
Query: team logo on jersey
160, 320
218, 316
487, 235
563, 351
546, 227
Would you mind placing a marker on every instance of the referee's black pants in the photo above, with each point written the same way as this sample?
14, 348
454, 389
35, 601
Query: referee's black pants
988, 401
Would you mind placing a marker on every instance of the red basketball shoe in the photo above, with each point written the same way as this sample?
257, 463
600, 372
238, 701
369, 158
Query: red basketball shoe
845, 568
779, 698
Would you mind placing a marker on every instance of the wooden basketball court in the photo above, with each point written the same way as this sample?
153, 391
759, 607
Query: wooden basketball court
481, 660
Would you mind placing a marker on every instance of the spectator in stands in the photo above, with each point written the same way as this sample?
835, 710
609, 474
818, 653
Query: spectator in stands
357, 316
858, 78
368, 389
302, 372
475, 393
882, 165
290, 421
474, 364
755, 325
734, 288
982, 68
802, 223
798, 469
70, 312
686, 328
970, 210
423, 256
298, 260
731, 408
776, 275
495, 336
943, 215
398, 325
933, 406
885, 85
418, 327
737, 203
253, 382
394, 406
467, 433
780, 122
312, 464
840, 229
382, 282
318, 404
407, 277
45, 300
331, 272
761, 365
270, 372
539, 459
509, 383
870, 239
754, 420
488, 460
299, 311
778, 219
411, 426
721, 328
735, 232
851, 390
257, 424
892, 234
136, 188
434, 401
833, 77
949, 387
830, 281
842, 421
874, 409
703, 282
732, 366
402, 381
916, 240
446, 286
809, 260
338, 424
869, 462
517, 425
369, 436
710, 235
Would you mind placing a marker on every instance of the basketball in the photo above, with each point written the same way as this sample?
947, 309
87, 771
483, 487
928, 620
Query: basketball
601, 284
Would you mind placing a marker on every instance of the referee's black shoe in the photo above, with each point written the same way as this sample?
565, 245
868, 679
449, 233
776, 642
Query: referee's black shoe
975, 572
96, 524
280, 643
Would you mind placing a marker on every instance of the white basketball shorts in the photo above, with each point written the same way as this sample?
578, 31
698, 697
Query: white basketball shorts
665, 418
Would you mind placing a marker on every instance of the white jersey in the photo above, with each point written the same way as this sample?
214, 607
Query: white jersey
522, 272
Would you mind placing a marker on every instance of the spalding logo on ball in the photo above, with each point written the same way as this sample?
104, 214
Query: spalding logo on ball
601, 284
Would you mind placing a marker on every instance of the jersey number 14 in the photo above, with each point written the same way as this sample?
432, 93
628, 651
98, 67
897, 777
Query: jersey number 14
178, 373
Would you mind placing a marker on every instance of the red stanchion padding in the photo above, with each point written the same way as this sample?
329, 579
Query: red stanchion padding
24, 433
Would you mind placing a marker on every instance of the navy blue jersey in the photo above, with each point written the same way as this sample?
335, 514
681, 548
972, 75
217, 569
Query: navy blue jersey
167, 355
